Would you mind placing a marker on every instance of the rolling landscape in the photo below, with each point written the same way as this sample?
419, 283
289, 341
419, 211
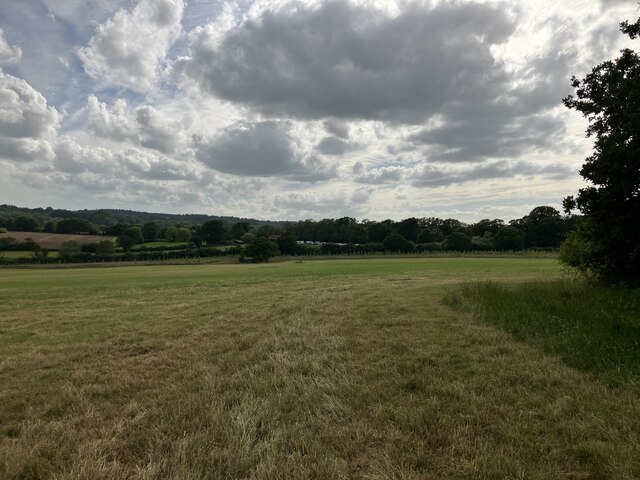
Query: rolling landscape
319, 239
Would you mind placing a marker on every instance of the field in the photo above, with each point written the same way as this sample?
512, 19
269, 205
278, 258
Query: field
52, 241
317, 369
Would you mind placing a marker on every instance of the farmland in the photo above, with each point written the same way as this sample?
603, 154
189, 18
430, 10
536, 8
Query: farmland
300, 369
53, 241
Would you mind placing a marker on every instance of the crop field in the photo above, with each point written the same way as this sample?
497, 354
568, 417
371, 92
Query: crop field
53, 241
319, 369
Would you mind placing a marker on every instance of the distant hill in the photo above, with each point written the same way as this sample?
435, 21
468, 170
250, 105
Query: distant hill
109, 217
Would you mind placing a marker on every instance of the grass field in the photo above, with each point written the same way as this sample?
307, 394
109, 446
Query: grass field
52, 241
319, 369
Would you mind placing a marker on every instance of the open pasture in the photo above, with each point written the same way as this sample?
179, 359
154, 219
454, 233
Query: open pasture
317, 369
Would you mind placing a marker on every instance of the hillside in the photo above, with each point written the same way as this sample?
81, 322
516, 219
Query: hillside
109, 217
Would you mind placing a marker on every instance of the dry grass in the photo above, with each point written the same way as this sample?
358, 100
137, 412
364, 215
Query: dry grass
350, 369
52, 241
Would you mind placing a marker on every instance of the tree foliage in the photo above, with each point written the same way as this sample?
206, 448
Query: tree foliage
215, 231
609, 236
260, 250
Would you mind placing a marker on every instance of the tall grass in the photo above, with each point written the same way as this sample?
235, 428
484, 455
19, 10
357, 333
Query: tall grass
591, 327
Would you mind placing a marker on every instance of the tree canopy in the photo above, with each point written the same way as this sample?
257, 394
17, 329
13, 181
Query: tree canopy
609, 234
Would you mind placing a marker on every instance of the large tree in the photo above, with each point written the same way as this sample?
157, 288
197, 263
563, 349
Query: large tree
609, 97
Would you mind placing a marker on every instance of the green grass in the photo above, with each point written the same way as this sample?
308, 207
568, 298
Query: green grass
590, 327
322, 369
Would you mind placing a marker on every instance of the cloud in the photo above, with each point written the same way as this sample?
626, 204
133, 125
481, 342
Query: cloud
337, 128
347, 61
28, 126
380, 175
144, 126
125, 164
261, 149
336, 146
72, 158
438, 176
130, 48
495, 132
351, 202
8, 54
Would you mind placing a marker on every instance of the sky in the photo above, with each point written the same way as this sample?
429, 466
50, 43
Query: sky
289, 110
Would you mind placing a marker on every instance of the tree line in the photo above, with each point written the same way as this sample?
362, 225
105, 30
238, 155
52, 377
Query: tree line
543, 228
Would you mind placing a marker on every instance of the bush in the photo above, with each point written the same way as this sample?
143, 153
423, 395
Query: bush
395, 242
69, 249
459, 242
260, 250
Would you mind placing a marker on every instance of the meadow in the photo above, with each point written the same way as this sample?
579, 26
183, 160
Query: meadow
397, 368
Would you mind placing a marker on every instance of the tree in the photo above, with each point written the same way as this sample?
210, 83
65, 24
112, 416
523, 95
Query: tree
609, 233
150, 231
25, 223
260, 250
75, 225
126, 242
509, 238
394, 242
287, 245
458, 241
171, 234
378, 231
214, 231
135, 233
69, 249
543, 227
430, 234
105, 248
239, 229
409, 228
183, 234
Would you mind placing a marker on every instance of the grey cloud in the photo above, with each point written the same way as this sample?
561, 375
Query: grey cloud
337, 128
437, 176
260, 149
354, 61
156, 133
336, 146
493, 134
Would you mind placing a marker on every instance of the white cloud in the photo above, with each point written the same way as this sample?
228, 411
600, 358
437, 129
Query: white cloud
130, 49
28, 126
8, 54
143, 126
